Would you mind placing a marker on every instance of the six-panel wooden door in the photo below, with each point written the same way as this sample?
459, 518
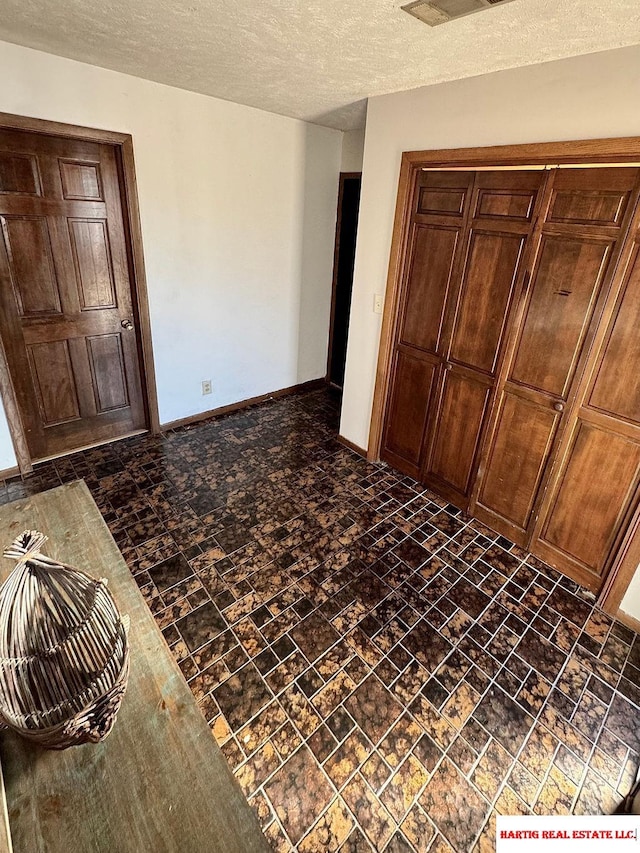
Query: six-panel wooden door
66, 315
510, 280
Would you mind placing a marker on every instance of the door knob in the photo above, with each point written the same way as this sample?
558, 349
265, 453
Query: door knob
127, 324
559, 407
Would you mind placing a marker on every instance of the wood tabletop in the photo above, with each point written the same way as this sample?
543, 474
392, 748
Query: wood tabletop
159, 781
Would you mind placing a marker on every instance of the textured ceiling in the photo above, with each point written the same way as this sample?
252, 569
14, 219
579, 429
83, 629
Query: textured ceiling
316, 60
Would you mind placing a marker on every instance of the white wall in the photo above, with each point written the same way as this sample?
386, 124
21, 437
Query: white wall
631, 601
581, 98
238, 214
7, 455
352, 150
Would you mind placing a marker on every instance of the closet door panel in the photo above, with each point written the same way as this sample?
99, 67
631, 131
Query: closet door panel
442, 194
591, 498
581, 236
479, 312
482, 311
413, 381
598, 485
516, 461
440, 203
616, 389
592, 197
565, 287
429, 281
459, 422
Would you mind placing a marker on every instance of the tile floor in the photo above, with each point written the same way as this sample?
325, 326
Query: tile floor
380, 671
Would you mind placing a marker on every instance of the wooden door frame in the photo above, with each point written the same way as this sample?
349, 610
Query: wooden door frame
123, 145
578, 152
344, 176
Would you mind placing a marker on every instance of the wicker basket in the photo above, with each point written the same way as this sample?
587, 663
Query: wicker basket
64, 655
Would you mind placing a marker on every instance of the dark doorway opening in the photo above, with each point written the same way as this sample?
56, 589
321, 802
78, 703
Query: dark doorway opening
344, 257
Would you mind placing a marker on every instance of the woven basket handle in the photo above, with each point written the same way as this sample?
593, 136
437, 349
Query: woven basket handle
26, 548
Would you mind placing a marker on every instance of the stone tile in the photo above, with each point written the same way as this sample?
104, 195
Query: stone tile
397, 744
538, 751
404, 787
622, 720
471, 599
542, 655
314, 635
356, 843
170, 571
569, 606
504, 719
242, 695
347, 758
322, 743
556, 795
201, 625
418, 829
596, 797
330, 831
454, 805
299, 805
257, 768
374, 820
492, 768
461, 704
375, 771
261, 728
428, 647
373, 707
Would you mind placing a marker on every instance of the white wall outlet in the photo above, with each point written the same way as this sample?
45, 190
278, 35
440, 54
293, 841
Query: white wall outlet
377, 303
206, 386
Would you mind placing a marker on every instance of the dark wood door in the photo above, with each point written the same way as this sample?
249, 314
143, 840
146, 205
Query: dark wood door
501, 215
466, 263
66, 318
597, 485
581, 231
440, 208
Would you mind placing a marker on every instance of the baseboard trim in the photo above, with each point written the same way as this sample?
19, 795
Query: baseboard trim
311, 385
356, 449
9, 472
629, 621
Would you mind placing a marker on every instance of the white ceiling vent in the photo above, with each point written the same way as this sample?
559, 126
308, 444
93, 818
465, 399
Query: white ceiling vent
434, 12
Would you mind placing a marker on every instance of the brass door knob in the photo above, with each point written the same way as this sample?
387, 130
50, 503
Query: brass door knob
559, 407
127, 324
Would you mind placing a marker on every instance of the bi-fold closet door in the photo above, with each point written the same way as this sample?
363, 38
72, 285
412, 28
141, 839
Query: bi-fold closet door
504, 301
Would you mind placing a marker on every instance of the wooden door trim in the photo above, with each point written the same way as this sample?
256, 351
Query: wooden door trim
625, 565
344, 176
14, 418
391, 310
573, 152
123, 144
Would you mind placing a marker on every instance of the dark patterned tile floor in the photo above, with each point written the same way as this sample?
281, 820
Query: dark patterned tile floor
381, 672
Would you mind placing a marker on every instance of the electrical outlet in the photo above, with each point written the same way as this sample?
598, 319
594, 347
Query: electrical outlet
206, 386
377, 303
